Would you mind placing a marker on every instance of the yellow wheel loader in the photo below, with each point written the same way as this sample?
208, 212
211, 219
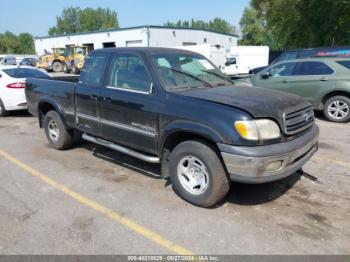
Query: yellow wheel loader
74, 58
53, 61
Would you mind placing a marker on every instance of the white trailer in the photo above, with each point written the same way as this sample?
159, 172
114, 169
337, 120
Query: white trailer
215, 53
241, 59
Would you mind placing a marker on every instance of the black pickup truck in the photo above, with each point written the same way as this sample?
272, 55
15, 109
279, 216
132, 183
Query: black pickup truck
174, 107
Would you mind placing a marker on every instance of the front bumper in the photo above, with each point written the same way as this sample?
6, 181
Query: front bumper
255, 164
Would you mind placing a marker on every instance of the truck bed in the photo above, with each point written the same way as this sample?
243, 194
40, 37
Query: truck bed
61, 90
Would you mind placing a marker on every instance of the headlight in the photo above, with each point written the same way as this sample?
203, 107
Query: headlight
261, 129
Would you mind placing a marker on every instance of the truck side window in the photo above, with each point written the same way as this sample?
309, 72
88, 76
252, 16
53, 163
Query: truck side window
94, 68
129, 73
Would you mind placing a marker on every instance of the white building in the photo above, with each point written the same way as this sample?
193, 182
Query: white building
152, 36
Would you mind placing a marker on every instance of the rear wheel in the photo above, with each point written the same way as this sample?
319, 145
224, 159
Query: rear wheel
337, 109
65, 69
57, 134
57, 66
197, 174
3, 111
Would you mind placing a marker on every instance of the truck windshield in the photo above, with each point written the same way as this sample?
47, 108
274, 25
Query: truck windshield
187, 71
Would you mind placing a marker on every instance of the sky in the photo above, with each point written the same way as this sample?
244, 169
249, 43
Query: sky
37, 16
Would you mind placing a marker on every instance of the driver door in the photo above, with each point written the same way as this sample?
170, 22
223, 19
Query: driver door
129, 104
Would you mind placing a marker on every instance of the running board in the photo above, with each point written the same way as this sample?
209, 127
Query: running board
121, 149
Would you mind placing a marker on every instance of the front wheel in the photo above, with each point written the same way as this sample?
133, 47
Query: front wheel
336, 109
57, 67
197, 174
57, 134
75, 70
65, 69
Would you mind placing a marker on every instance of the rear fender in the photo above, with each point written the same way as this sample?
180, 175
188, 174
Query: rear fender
55, 106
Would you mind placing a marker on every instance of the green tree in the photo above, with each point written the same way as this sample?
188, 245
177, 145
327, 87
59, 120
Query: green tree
305, 23
254, 30
221, 26
26, 44
8, 43
12, 44
75, 20
217, 24
97, 19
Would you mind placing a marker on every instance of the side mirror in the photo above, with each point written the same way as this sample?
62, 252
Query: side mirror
266, 75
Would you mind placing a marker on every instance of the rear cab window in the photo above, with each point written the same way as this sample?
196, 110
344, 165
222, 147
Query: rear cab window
94, 68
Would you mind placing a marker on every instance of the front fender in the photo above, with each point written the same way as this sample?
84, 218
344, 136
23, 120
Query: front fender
189, 127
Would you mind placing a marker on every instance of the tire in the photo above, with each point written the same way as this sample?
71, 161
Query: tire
75, 70
65, 69
186, 158
57, 134
57, 66
3, 111
337, 109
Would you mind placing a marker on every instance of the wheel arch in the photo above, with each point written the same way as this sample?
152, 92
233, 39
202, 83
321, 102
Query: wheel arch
179, 132
56, 60
335, 93
183, 130
44, 106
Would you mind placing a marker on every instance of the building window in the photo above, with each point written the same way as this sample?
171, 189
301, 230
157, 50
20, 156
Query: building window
109, 45
90, 47
134, 43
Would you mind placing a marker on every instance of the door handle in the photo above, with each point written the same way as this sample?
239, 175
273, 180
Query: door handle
285, 81
93, 97
107, 99
324, 79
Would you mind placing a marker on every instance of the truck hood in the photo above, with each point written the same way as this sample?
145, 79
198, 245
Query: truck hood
259, 102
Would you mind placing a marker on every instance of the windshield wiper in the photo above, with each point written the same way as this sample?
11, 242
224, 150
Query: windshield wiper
190, 75
219, 76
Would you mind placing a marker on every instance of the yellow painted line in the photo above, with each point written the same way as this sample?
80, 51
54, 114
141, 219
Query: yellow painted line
338, 162
128, 223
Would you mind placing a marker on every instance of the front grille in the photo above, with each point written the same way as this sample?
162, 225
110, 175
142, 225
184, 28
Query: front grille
299, 120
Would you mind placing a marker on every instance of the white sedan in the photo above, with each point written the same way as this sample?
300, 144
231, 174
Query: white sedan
12, 85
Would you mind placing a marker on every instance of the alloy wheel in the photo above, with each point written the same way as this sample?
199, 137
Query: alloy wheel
193, 175
338, 109
54, 132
